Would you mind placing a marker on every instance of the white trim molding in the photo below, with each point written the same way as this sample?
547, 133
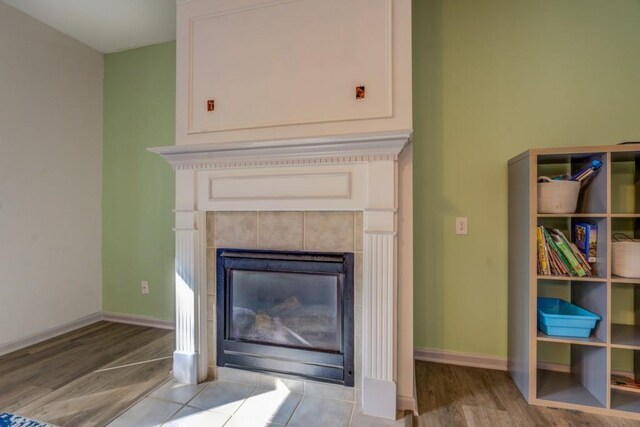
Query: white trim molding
287, 152
484, 361
130, 319
135, 319
49, 333
284, 186
407, 403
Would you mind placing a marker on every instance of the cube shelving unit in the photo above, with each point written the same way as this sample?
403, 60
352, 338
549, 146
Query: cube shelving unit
575, 373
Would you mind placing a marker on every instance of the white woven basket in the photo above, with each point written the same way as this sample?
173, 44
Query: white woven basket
558, 196
625, 259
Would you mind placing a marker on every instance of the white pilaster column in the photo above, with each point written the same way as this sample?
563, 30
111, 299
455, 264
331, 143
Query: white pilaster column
379, 290
189, 356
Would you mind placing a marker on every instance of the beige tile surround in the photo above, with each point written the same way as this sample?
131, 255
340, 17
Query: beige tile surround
325, 231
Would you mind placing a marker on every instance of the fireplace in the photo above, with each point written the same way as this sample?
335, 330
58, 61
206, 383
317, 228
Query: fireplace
288, 312
368, 173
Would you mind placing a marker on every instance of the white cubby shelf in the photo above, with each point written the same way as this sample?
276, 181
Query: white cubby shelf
565, 372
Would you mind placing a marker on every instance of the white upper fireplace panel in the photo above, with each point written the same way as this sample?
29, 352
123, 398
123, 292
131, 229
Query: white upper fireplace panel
290, 62
266, 69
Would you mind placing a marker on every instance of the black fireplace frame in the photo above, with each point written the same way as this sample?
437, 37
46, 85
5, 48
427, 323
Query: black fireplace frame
327, 366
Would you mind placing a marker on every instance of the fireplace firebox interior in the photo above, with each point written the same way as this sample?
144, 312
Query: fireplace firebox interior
287, 313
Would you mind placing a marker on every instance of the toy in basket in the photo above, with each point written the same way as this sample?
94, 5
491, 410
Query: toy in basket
625, 256
557, 196
560, 194
557, 317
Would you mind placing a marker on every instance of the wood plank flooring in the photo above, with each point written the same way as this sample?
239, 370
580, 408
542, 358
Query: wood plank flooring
90, 376
459, 396
86, 377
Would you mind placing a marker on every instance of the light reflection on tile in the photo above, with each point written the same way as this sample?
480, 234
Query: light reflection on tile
222, 397
176, 392
273, 382
269, 405
194, 417
237, 421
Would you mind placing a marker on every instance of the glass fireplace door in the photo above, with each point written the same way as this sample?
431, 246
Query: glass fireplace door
288, 312
299, 310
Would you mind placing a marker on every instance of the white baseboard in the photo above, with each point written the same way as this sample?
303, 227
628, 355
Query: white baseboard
82, 322
49, 333
462, 359
406, 403
484, 361
132, 319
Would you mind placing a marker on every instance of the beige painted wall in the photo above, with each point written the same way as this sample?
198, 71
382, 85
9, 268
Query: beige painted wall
50, 177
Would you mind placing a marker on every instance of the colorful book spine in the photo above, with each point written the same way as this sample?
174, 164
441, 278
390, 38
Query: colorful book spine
582, 259
558, 266
565, 264
576, 253
568, 253
547, 254
542, 254
585, 236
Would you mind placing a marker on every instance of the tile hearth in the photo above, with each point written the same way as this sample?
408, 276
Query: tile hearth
249, 399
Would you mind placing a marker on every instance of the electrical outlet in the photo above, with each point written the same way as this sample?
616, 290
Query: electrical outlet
461, 225
144, 287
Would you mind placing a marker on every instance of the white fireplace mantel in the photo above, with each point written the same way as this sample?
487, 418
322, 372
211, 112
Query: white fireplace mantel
349, 172
327, 149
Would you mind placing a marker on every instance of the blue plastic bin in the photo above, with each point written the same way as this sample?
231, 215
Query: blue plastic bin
556, 317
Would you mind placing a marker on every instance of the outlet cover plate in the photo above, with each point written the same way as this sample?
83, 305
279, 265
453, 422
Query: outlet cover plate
461, 225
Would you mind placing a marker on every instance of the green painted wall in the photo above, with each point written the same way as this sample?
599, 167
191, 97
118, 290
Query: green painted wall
493, 78
138, 187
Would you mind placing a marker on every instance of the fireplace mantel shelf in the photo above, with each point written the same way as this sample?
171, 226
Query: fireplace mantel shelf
333, 149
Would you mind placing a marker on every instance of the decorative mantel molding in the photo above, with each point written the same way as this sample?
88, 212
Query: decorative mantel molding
287, 152
348, 172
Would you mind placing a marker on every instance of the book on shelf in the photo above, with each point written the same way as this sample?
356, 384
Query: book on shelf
565, 266
624, 381
543, 260
557, 256
581, 258
585, 237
